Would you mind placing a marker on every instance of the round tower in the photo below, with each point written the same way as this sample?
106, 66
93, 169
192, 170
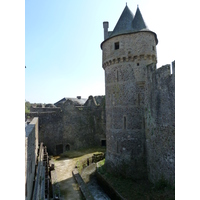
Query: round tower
127, 50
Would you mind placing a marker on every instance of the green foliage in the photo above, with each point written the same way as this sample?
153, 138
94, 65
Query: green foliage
27, 107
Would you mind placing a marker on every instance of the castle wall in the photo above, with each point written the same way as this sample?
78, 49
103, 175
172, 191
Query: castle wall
83, 126
50, 128
72, 127
31, 148
35, 122
40, 109
160, 123
125, 80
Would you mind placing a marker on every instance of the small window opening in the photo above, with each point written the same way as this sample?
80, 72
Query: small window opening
116, 45
153, 48
31, 167
67, 147
103, 143
117, 76
138, 64
138, 99
124, 122
117, 146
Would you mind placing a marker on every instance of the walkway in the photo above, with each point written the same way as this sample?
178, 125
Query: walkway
68, 187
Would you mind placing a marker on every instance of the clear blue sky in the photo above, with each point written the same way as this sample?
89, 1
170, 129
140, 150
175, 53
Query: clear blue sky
62, 44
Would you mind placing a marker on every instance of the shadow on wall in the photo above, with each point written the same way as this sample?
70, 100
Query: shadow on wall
68, 189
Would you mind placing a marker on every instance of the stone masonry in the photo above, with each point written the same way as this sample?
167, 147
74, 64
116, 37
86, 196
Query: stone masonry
31, 148
72, 124
131, 93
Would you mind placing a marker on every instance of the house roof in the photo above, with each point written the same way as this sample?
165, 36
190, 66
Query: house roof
77, 101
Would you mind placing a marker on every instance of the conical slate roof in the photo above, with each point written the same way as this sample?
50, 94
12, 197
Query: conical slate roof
138, 22
128, 23
124, 24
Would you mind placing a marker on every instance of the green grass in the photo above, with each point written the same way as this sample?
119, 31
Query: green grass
80, 155
140, 189
82, 152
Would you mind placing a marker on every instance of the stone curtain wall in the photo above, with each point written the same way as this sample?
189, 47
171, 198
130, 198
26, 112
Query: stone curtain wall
50, 128
31, 148
35, 122
160, 123
72, 127
83, 126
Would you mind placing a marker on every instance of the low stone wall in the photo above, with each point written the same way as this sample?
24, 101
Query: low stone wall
32, 109
84, 163
83, 187
31, 148
107, 187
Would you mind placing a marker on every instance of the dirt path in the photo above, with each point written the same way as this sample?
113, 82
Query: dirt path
68, 187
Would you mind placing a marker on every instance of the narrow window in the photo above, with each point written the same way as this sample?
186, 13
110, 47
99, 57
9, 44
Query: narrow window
116, 45
138, 64
117, 76
31, 167
117, 146
124, 122
138, 99
153, 48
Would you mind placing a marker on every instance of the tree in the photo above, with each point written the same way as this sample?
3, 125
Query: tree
27, 106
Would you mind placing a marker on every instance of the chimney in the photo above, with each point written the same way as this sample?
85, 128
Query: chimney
105, 26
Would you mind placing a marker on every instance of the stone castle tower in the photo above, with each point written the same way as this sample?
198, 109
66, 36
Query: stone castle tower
127, 50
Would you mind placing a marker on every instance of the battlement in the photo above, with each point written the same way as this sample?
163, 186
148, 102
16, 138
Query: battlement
44, 109
159, 73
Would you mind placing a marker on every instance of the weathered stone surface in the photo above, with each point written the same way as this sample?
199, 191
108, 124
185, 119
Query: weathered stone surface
160, 123
140, 107
31, 148
125, 80
71, 127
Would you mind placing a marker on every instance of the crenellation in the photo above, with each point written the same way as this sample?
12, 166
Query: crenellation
163, 71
